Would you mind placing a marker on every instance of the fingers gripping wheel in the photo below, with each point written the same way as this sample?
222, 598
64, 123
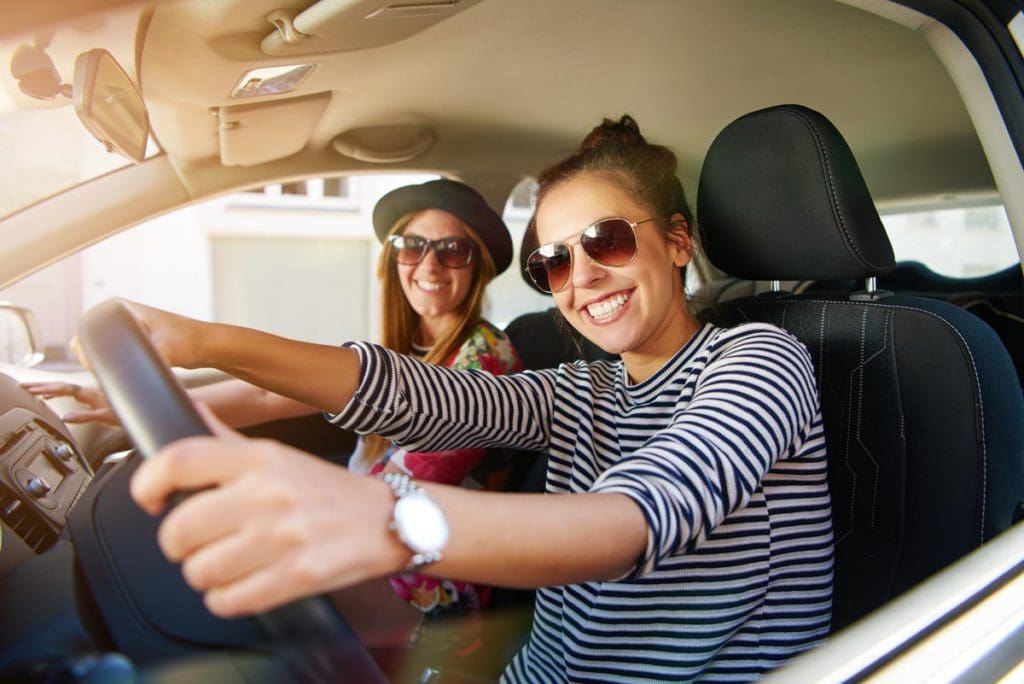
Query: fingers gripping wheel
142, 391
155, 410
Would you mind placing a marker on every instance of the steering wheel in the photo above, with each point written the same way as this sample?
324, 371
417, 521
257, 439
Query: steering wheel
155, 410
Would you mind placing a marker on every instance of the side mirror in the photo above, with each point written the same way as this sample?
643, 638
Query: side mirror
20, 339
109, 105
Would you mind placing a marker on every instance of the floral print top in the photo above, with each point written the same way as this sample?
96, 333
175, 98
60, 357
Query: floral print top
488, 349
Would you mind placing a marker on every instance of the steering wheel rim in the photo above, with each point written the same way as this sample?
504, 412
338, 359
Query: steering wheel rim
155, 410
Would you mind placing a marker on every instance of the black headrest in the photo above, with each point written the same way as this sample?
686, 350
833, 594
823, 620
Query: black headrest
781, 198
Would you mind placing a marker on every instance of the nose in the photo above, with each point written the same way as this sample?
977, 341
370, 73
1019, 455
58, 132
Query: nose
430, 260
585, 271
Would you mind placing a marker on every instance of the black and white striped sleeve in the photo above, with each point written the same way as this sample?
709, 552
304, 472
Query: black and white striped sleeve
754, 404
423, 407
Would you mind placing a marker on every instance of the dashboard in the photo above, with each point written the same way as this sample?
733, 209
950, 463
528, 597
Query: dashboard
42, 471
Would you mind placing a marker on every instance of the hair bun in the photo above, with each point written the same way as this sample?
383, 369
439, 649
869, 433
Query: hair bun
622, 133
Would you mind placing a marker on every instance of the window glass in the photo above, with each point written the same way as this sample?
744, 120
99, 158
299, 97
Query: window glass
298, 188
509, 296
52, 148
297, 259
961, 242
336, 187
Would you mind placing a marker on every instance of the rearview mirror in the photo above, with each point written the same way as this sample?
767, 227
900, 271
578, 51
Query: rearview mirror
109, 104
20, 340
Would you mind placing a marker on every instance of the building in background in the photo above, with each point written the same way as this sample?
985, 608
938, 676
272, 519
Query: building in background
297, 259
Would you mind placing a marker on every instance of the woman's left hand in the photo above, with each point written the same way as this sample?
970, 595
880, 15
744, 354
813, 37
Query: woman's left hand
98, 410
267, 523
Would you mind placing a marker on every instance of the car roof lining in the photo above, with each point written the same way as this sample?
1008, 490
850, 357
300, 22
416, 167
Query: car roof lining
192, 56
694, 77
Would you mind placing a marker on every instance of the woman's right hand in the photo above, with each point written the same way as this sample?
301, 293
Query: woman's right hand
292, 368
176, 338
98, 411
268, 523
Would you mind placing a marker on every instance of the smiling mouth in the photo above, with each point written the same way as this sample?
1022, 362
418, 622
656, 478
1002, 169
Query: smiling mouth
430, 287
606, 308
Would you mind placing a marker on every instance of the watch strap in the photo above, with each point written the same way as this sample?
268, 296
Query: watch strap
403, 485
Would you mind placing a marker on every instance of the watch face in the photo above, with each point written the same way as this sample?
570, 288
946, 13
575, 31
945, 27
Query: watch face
421, 523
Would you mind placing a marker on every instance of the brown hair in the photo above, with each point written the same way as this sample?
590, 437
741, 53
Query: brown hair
399, 321
618, 152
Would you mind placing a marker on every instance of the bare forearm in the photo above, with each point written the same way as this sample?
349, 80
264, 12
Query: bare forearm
533, 540
517, 540
240, 404
320, 376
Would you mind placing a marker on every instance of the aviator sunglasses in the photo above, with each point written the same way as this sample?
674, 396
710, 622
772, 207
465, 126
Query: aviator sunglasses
452, 252
609, 242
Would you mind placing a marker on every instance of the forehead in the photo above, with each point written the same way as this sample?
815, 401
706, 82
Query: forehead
436, 224
572, 205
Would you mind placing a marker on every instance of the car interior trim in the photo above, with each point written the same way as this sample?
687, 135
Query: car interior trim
984, 111
894, 631
989, 41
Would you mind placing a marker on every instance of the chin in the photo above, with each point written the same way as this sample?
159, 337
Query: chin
608, 343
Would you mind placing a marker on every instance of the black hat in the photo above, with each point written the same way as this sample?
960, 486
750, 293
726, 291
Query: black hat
457, 199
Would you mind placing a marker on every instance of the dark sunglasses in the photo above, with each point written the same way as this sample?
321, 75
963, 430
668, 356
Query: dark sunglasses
452, 252
609, 242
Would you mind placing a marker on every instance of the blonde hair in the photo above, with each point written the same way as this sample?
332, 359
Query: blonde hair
399, 321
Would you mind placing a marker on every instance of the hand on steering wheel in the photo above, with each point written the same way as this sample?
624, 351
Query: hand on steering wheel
268, 523
266, 528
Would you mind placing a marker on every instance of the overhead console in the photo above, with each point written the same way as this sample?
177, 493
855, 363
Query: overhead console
42, 473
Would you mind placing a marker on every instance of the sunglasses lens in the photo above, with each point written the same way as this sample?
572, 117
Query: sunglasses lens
549, 267
454, 252
408, 249
611, 242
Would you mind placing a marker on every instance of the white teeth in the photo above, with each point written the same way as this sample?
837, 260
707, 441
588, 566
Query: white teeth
429, 287
608, 307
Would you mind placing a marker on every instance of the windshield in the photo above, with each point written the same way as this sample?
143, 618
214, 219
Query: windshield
38, 124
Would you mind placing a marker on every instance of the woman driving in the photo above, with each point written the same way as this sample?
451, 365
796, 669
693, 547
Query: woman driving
686, 530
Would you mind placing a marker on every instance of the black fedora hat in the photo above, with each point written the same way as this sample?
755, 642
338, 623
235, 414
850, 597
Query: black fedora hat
457, 199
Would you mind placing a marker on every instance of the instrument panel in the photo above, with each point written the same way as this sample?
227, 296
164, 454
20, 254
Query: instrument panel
42, 473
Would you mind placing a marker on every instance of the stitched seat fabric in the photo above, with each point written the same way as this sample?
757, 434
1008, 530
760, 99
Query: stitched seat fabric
924, 418
996, 298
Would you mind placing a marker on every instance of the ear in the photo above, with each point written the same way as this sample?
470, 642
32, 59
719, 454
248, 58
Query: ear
679, 242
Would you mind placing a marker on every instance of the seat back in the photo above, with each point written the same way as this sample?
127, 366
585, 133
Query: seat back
996, 298
924, 418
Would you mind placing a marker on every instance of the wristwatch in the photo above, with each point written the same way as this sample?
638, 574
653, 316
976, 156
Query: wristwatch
417, 520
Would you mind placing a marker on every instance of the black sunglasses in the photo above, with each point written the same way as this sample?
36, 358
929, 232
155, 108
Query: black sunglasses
452, 252
609, 242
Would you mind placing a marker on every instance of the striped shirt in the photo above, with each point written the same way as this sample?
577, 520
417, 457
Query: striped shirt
722, 449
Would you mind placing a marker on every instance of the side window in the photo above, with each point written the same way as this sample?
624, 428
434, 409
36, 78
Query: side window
297, 259
509, 296
962, 242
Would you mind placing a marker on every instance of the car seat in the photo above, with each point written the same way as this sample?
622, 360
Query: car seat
924, 418
996, 298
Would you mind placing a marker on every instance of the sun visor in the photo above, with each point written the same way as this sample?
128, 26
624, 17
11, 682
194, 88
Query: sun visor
243, 129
